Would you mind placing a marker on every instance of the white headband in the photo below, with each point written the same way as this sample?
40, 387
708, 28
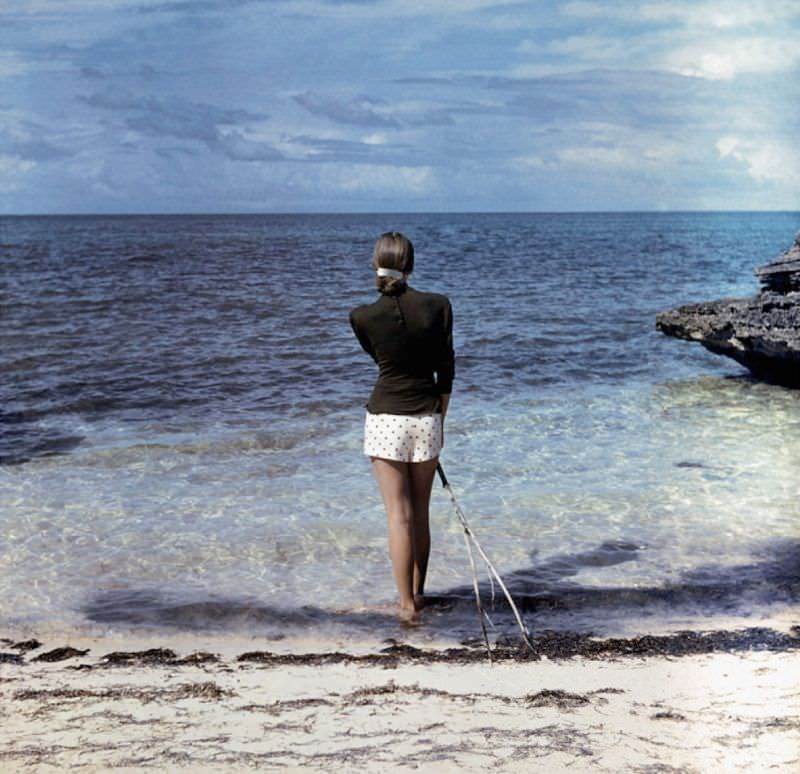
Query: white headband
389, 273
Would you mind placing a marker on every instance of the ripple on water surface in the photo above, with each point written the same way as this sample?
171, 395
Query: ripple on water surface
196, 462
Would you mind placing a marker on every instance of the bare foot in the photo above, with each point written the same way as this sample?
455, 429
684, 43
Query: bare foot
419, 601
408, 616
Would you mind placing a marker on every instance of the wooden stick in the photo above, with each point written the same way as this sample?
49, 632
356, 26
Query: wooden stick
470, 535
481, 613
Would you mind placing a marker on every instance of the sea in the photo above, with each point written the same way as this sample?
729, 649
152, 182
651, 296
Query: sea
182, 404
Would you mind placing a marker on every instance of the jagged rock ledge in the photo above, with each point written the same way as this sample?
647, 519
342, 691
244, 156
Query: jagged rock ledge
761, 332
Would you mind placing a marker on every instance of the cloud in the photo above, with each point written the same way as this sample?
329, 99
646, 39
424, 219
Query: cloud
374, 149
13, 63
50, 8
377, 138
640, 156
237, 147
186, 120
12, 171
362, 9
712, 40
92, 73
425, 80
360, 110
331, 149
767, 161
369, 113
437, 116
23, 138
177, 108
460, 103
584, 47
396, 9
726, 146
378, 179
723, 60
690, 14
629, 98
37, 150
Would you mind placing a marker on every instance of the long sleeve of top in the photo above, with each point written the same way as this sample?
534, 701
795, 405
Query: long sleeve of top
410, 337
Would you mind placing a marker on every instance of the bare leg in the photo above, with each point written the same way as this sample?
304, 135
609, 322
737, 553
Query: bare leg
393, 480
420, 483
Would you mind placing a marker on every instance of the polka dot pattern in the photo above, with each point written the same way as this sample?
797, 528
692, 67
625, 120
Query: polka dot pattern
404, 438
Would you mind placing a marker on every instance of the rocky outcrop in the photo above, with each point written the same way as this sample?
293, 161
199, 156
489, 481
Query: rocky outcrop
761, 332
783, 274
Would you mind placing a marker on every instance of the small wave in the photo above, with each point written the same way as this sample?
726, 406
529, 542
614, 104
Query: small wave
22, 440
213, 448
20, 445
48, 405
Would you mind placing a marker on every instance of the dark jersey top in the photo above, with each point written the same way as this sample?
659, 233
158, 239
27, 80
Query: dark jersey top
410, 337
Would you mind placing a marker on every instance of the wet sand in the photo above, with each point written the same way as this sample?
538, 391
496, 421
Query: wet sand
689, 702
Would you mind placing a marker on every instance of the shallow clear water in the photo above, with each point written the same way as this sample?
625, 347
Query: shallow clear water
182, 403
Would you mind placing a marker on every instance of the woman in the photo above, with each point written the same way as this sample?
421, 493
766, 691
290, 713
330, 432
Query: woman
409, 335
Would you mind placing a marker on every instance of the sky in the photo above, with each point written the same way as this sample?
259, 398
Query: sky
398, 105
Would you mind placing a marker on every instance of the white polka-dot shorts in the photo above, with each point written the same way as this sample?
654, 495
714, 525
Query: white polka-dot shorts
403, 437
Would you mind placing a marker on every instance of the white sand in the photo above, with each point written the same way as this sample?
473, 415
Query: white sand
710, 713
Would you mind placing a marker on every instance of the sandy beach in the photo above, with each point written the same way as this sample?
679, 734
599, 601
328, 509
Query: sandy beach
689, 702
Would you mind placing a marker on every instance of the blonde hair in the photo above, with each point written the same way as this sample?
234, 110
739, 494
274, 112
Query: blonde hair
392, 250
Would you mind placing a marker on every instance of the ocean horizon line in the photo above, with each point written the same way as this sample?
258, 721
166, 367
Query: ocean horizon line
367, 213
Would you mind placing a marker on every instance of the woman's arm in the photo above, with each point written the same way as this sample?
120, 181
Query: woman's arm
445, 368
363, 339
